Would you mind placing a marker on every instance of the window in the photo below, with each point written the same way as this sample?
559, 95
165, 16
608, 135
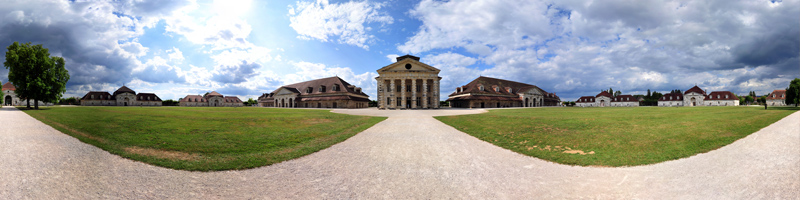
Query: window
496, 89
480, 87
726, 96
509, 90
335, 87
92, 97
309, 90
321, 88
717, 96
398, 88
773, 95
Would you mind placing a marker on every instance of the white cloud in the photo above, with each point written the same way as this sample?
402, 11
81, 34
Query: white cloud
175, 55
346, 23
576, 48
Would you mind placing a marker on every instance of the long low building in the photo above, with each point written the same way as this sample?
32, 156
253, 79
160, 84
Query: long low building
487, 92
10, 97
211, 99
605, 99
331, 92
124, 96
696, 96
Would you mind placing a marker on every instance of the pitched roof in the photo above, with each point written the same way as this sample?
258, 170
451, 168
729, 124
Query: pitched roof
9, 86
604, 93
696, 90
775, 95
675, 97
585, 99
123, 89
98, 95
344, 86
214, 93
722, 95
233, 99
490, 83
624, 98
193, 98
147, 97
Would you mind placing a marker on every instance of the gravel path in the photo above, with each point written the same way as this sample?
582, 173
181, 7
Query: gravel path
408, 156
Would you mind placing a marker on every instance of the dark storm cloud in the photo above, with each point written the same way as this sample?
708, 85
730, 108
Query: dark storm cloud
95, 38
235, 73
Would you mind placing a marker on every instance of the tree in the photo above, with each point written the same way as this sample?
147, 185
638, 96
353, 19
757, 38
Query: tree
748, 99
611, 91
648, 93
250, 102
35, 74
617, 93
741, 100
793, 93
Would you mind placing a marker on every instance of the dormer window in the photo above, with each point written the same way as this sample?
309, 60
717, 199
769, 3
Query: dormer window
335, 87
480, 87
309, 90
670, 98
773, 95
496, 89
509, 90
321, 88
717, 96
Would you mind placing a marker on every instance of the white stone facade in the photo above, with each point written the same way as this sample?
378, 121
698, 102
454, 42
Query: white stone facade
408, 84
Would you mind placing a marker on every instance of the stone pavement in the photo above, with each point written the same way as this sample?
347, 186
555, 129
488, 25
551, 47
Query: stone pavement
408, 156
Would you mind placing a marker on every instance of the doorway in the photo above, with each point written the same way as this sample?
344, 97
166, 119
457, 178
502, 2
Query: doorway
482, 106
334, 104
8, 100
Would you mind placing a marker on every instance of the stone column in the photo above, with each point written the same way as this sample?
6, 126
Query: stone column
403, 93
425, 94
391, 94
435, 95
414, 93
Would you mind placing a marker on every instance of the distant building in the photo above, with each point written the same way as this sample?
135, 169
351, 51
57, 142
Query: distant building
212, 99
10, 97
124, 96
487, 92
605, 99
331, 92
698, 97
776, 98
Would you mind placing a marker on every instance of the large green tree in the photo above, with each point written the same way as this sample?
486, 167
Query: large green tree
793, 92
35, 74
2, 96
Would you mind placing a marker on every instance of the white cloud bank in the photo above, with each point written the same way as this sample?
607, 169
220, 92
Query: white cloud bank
346, 23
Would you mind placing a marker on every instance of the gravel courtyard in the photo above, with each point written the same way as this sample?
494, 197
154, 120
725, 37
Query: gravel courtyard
408, 156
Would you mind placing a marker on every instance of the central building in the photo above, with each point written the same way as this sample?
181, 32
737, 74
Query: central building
408, 84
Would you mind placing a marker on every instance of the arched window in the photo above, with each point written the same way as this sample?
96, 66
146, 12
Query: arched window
509, 90
480, 87
496, 89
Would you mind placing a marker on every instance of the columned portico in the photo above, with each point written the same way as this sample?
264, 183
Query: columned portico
418, 85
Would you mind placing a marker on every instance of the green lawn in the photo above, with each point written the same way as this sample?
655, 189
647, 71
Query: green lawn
615, 136
205, 139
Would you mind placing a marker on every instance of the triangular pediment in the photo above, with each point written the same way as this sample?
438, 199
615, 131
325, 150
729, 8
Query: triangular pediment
414, 66
285, 90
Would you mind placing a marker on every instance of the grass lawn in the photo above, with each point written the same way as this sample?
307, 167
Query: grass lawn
615, 136
205, 139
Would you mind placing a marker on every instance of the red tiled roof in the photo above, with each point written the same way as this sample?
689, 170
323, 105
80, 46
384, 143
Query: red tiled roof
585, 99
123, 89
233, 99
214, 93
696, 90
624, 98
604, 93
720, 95
344, 86
489, 83
775, 95
193, 98
98, 95
675, 97
338, 97
481, 97
9, 86
147, 97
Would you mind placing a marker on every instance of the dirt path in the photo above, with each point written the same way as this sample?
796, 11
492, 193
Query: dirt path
409, 155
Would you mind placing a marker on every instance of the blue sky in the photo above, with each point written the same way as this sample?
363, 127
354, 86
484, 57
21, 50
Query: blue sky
572, 48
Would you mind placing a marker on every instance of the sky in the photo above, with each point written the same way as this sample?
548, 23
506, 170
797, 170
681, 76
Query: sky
572, 48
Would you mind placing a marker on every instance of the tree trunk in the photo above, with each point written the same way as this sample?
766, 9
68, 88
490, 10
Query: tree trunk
36, 104
28, 101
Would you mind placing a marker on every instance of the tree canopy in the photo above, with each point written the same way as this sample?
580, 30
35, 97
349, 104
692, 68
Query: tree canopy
793, 92
35, 74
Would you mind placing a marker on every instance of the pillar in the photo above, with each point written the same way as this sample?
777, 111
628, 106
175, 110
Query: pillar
435, 96
391, 93
413, 93
403, 93
425, 94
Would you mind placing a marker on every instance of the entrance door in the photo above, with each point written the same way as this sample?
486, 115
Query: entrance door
482, 106
602, 103
526, 103
126, 103
694, 103
334, 104
498, 105
8, 100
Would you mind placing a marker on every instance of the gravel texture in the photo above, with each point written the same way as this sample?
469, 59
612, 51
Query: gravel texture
408, 156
